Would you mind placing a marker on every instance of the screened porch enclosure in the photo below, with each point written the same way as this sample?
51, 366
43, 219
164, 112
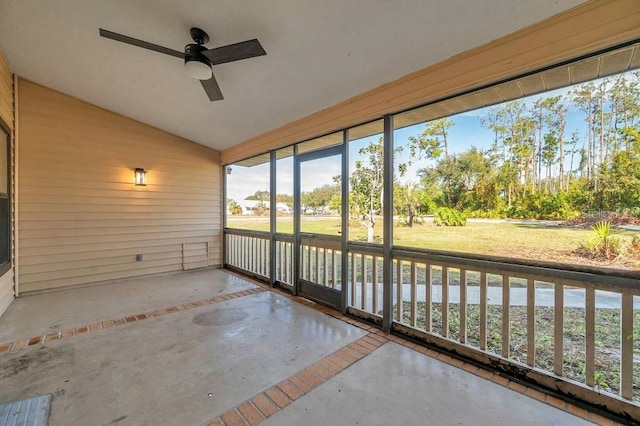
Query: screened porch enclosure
568, 324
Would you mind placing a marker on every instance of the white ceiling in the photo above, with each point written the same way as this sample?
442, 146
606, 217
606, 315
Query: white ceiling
318, 53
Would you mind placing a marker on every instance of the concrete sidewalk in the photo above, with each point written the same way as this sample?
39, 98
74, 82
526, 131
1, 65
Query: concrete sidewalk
573, 297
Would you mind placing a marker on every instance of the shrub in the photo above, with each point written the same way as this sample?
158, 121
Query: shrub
603, 245
234, 208
543, 206
449, 217
634, 248
486, 214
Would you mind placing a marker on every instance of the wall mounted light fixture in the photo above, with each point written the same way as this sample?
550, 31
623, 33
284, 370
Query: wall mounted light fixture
228, 170
140, 177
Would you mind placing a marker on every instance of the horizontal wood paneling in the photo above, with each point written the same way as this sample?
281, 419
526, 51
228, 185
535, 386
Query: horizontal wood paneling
81, 219
6, 92
587, 28
7, 105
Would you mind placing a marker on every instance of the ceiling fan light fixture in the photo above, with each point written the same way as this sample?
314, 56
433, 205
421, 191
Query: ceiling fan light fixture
196, 65
198, 70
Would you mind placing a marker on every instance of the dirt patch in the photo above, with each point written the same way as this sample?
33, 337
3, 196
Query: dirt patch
616, 219
31, 359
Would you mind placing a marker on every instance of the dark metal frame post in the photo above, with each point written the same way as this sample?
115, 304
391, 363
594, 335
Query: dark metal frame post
387, 226
296, 221
224, 215
344, 259
272, 217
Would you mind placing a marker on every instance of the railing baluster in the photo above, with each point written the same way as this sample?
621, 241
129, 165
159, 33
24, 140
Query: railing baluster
248, 258
399, 304
558, 329
283, 263
288, 258
317, 268
243, 253
590, 336
254, 254
626, 369
282, 249
531, 322
257, 255
483, 311
363, 285
265, 257
445, 301
236, 250
353, 279
326, 268
506, 317
334, 273
428, 323
261, 255
374, 279
414, 295
463, 306
309, 269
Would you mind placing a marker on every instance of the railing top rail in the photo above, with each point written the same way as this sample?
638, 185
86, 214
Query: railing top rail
546, 273
366, 248
321, 237
247, 232
289, 238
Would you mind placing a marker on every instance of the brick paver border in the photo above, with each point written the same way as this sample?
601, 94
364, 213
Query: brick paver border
381, 338
103, 325
265, 404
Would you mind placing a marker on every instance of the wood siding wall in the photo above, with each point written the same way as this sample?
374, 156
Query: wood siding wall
81, 218
7, 291
592, 26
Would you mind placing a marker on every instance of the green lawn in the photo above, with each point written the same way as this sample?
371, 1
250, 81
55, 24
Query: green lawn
498, 238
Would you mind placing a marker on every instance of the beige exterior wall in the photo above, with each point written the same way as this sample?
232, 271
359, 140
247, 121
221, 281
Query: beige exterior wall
7, 117
81, 218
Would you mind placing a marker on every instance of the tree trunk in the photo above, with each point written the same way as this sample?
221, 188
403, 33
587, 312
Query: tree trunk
370, 229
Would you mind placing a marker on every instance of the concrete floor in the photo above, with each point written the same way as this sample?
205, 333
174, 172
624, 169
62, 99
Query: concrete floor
188, 367
54, 311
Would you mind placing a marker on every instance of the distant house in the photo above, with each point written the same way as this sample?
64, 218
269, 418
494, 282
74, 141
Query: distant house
283, 208
251, 207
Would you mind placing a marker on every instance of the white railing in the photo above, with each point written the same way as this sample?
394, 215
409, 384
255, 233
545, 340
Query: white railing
284, 259
365, 279
567, 324
574, 331
248, 251
320, 261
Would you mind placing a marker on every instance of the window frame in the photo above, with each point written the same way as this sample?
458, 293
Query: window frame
6, 264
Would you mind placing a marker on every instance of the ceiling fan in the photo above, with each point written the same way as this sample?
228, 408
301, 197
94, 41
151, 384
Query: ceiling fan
198, 60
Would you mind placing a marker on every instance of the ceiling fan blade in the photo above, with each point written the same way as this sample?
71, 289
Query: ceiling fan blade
235, 52
213, 90
140, 43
